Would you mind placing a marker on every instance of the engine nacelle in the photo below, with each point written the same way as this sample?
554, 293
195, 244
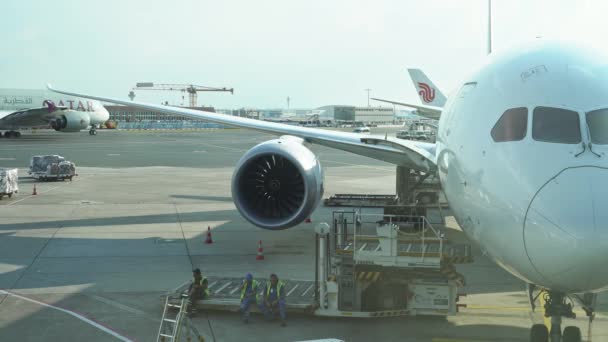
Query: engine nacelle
71, 121
278, 183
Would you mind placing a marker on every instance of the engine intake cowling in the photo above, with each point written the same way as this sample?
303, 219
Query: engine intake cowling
278, 183
71, 121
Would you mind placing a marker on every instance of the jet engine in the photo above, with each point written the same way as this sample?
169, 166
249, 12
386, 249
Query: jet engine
278, 183
71, 121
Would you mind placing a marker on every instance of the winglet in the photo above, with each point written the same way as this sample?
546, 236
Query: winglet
49, 87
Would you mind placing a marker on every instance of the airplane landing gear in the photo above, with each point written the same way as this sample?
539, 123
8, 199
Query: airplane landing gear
93, 131
12, 134
556, 307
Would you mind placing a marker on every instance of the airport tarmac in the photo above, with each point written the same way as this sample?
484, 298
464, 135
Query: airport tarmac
89, 259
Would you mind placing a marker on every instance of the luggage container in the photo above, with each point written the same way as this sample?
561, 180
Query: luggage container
9, 179
51, 167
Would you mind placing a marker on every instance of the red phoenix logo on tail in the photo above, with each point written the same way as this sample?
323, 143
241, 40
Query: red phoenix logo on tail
426, 92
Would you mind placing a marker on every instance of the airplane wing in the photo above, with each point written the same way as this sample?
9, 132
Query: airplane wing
29, 118
430, 112
416, 155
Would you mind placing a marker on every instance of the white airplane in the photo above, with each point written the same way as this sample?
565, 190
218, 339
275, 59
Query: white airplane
28, 108
521, 153
432, 98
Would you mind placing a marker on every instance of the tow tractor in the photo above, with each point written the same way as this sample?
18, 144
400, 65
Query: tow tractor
366, 265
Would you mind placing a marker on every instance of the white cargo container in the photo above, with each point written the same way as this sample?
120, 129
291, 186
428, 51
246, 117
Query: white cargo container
9, 179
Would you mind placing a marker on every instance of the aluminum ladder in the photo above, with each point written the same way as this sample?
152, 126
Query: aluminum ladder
170, 328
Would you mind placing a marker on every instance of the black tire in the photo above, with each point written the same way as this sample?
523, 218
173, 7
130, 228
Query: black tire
572, 334
10, 195
17, 134
539, 333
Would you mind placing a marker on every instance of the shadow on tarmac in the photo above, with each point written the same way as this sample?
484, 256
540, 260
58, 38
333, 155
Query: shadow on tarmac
204, 198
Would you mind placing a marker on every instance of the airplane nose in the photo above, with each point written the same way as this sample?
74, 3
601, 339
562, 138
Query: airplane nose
566, 230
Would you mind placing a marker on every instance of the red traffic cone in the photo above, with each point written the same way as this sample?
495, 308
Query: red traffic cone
260, 255
34, 192
208, 239
308, 220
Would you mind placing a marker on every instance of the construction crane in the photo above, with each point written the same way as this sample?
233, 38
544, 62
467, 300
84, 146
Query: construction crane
191, 89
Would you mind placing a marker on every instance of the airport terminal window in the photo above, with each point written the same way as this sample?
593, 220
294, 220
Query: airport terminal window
511, 126
597, 121
556, 125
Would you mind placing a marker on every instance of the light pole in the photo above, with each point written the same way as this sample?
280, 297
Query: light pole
368, 91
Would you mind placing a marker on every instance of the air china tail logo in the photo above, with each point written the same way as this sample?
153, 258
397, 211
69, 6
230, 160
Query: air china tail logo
426, 92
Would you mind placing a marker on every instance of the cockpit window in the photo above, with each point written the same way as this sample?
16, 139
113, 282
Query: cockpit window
556, 125
511, 126
597, 121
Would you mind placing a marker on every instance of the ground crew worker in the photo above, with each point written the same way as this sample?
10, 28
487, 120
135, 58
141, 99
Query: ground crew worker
197, 290
249, 295
274, 299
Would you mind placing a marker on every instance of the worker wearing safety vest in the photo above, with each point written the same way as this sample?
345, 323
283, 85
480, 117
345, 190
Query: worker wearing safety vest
274, 299
249, 295
198, 289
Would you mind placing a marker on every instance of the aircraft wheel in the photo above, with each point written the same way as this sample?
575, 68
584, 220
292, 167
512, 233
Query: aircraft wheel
539, 333
92, 132
572, 334
17, 134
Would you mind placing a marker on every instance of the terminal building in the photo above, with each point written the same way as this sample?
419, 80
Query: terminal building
134, 114
335, 114
352, 114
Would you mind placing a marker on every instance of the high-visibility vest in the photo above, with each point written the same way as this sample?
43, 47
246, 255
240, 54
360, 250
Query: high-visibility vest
200, 283
280, 286
254, 288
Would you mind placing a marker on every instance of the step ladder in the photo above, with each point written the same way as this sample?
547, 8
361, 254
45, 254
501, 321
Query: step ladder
170, 328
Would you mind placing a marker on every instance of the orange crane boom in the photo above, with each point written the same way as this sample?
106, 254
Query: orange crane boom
191, 89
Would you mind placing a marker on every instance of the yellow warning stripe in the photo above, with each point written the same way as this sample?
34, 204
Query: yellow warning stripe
369, 276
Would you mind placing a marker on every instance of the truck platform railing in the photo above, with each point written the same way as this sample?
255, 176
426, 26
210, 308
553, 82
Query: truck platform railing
394, 239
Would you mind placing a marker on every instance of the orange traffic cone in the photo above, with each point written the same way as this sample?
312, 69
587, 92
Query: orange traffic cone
208, 239
34, 192
260, 255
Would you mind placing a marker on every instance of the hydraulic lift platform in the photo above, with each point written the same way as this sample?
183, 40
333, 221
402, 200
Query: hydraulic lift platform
225, 294
366, 266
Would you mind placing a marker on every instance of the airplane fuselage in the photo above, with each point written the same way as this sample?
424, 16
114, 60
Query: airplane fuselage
12, 100
531, 195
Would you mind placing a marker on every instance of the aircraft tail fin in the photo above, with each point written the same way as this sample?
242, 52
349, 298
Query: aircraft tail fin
427, 90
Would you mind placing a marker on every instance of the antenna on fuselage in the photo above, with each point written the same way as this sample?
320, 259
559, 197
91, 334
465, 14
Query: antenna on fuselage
489, 27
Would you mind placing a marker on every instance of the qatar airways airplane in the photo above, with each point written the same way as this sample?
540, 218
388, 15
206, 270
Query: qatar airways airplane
522, 157
29, 108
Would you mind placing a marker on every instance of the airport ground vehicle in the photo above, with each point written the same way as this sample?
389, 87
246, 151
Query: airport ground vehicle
9, 179
362, 130
51, 167
367, 266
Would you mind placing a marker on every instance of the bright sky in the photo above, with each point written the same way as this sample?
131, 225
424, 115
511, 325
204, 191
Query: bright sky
317, 52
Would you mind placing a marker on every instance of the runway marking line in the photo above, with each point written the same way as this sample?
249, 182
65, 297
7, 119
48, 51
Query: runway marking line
51, 189
75, 314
